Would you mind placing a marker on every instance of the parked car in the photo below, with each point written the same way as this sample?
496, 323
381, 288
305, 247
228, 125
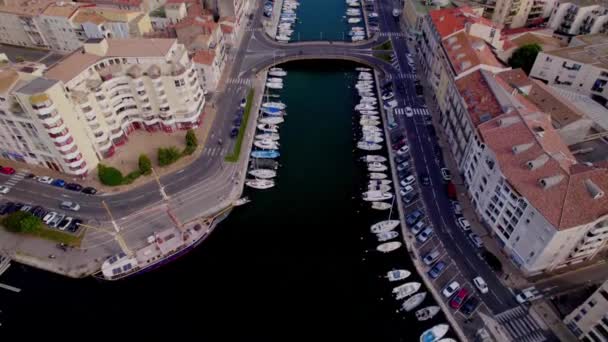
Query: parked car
7, 170
431, 257
65, 223
410, 198
68, 205
39, 211
387, 95
402, 158
393, 125
459, 298
437, 269
414, 217
470, 305
425, 235
58, 183
424, 179
4, 189
476, 240
45, 179
527, 295
89, 190
26, 208
480, 284
403, 150
451, 288
75, 225
49, 217
406, 190
73, 186
403, 166
54, 222
390, 104
4, 207
243, 102
9, 209
418, 227
464, 224
409, 180
445, 174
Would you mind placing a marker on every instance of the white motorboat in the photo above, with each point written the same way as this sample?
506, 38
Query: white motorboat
368, 101
260, 184
273, 120
384, 226
365, 106
382, 188
370, 117
366, 92
374, 196
435, 333
277, 105
274, 85
388, 246
266, 144
268, 136
406, 290
369, 122
268, 128
357, 38
427, 313
447, 340
381, 205
276, 69
377, 175
369, 112
263, 173
412, 302
386, 236
369, 134
367, 128
372, 140
380, 182
277, 73
354, 20
282, 38
363, 69
369, 98
365, 82
370, 158
368, 146
396, 275
376, 167
275, 80
367, 87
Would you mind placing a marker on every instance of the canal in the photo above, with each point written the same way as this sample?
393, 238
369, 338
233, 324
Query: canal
322, 20
297, 263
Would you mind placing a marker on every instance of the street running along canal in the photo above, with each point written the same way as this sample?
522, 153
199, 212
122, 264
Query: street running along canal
298, 263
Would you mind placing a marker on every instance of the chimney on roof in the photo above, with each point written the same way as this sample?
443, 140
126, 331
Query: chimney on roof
517, 149
594, 191
538, 162
96, 46
507, 121
548, 182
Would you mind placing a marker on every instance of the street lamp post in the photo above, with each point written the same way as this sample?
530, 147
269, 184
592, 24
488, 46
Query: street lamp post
160, 186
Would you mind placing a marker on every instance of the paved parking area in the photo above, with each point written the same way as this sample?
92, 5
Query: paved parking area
33, 55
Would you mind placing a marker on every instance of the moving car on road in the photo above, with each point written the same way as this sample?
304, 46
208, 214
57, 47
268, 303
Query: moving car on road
45, 179
445, 174
7, 170
89, 190
464, 224
73, 186
528, 295
68, 205
475, 239
480, 284
424, 178
4, 189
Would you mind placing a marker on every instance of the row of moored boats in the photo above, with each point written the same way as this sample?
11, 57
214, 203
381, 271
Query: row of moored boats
265, 151
287, 20
354, 16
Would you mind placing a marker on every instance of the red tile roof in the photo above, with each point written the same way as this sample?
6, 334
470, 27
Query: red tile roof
450, 20
465, 52
204, 57
480, 101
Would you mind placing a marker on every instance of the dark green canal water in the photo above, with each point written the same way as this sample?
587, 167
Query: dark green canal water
298, 263
322, 20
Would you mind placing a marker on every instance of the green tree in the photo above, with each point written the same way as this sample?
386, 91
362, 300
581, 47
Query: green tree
524, 57
191, 139
109, 175
145, 165
30, 224
167, 156
22, 222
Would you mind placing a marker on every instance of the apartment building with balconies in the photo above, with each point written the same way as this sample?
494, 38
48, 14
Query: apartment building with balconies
514, 13
90, 101
589, 321
19, 22
571, 18
582, 67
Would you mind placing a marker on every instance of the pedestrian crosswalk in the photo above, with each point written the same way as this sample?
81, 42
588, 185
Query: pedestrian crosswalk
16, 178
521, 325
240, 81
416, 111
403, 76
214, 151
392, 34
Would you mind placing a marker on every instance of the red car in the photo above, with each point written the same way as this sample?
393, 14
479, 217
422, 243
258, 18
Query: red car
459, 298
7, 170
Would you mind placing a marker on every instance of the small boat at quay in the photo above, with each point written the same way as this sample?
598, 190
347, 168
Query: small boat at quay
447, 340
275, 69
267, 154
379, 182
366, 92
277, 73
384, 226
427, 313
368, 146
369, 112
371, 133
412, 302
266, 144
369, 122
267, 128
406, 290
274, 85
370, 158
365, 82
374, 196
275, 80
376, 167
354, 20
396, 275
388, 247
263, 173
370, 117
260, 184
277, 105
377, 175
373, 140
272, 120
435, 333
268, 136
272, 111
382, 188
363, 69
386, 236
366, 128
381, 205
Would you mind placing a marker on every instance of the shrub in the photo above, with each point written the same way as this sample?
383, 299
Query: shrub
22, 222
189, 150
145, 165
109, 175
524, 57
131, 177
168, 156
191, 140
